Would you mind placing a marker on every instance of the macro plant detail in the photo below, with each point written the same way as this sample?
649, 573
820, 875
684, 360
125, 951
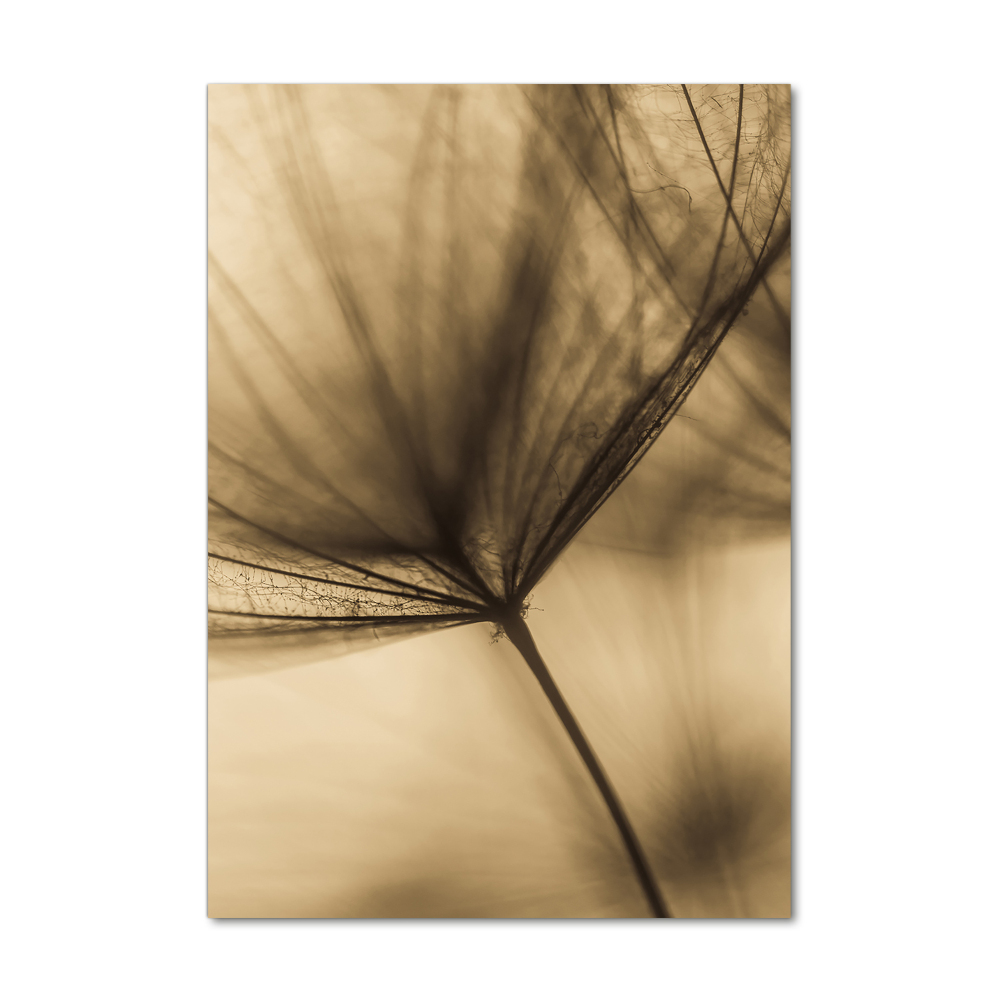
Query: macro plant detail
445, 324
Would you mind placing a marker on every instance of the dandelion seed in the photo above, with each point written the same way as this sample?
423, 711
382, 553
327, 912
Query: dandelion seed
440, 342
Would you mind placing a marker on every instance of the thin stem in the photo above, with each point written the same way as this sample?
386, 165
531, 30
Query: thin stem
519, 634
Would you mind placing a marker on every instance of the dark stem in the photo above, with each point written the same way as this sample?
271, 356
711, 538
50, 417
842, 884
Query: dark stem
519, 634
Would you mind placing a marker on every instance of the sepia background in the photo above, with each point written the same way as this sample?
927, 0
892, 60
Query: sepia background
429, 777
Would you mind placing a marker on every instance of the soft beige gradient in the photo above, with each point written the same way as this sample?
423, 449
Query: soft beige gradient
430, 778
